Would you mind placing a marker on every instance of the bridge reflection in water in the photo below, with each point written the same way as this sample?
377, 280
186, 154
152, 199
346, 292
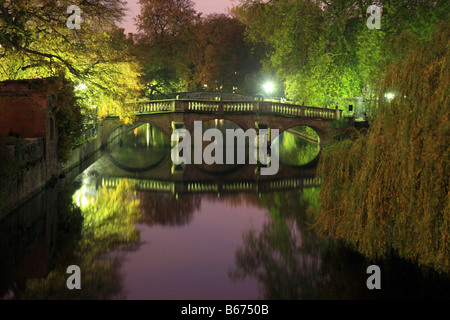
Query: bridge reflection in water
143, 156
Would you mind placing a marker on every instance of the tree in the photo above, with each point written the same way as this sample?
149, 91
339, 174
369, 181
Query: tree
181, 50
389, 188
293, 33
35, 42
165, 42
223, 59
323, 51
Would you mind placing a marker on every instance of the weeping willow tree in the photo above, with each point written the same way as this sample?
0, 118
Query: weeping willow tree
389, 189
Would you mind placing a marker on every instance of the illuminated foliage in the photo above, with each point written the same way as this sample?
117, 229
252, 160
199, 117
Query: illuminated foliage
35, 42
389, 188
109, 219
299, 50
323, 51
69, 119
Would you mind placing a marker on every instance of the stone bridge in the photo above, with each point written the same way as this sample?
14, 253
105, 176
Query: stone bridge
169, 115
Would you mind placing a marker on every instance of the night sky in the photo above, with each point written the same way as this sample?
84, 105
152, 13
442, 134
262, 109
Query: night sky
205, 6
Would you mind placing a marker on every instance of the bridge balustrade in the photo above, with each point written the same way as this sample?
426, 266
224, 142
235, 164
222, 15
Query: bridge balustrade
202, 187
208, 187
156, 107
239, 107
203, 106
238, 186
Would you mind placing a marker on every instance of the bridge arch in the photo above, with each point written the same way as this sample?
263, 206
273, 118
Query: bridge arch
137, 148
167, 115
117, 128
130, 169
161, 121
297, 149
320, 135
284, 124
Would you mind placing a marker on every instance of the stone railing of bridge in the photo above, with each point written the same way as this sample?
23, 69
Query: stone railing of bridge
237, 107
176, 187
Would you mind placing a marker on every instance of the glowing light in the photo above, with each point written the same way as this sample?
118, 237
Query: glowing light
389, 96
81, 198
81, 87
148, 135
269, 87
84, 202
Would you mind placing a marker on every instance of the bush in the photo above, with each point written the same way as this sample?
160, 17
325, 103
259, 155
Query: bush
69, 118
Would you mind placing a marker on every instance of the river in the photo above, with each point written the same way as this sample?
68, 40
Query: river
139, 227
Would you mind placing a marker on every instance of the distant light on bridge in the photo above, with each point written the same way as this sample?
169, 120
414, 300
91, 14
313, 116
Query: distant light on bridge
269, 87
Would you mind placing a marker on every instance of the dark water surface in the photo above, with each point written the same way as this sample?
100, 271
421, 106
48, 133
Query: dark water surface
140, 228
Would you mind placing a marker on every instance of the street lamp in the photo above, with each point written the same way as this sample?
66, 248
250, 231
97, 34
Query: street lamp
269, 87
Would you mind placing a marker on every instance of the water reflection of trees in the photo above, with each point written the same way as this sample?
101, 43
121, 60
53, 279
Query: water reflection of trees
165, 210
295, 151
291, 262
96, 235
284, 256
88, 235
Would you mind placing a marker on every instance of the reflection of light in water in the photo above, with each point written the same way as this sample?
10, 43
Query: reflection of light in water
84, 196
84, 202
148, 135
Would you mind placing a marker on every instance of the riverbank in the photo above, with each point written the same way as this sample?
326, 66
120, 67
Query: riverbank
33, 172
30, 171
